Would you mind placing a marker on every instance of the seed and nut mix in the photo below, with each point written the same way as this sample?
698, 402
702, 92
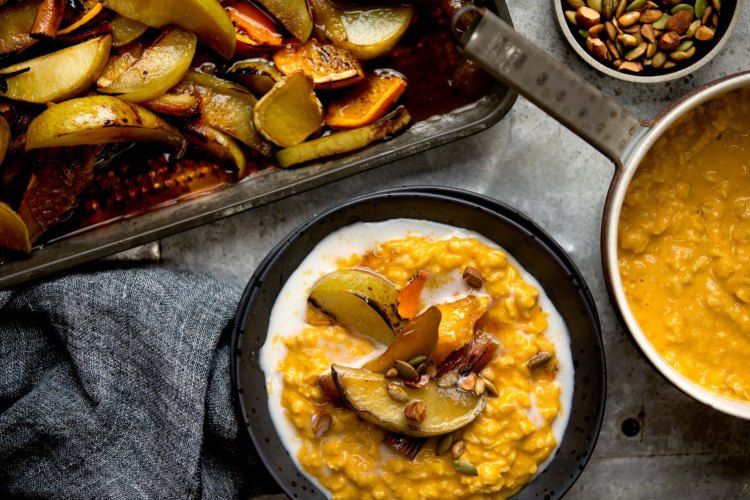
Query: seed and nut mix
634, 35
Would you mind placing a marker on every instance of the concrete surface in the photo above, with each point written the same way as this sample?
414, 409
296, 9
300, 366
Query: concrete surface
683, 449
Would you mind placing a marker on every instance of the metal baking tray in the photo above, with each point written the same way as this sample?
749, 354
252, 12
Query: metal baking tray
256, 190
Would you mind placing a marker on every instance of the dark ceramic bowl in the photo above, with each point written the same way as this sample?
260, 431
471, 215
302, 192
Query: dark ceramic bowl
731, 10
534, 249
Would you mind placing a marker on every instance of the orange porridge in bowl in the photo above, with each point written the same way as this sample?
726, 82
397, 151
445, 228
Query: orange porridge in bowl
514, 410
684, 245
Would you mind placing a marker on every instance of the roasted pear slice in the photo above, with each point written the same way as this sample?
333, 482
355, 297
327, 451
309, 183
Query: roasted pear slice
205, 18
290, 112
13, 231
59, 75
99, 120
365, 31
447, 408
161, 66
228, 107
359, 300
15, 25
345, 141
126, 30
293, 14
458, 325
219, 145
417, 338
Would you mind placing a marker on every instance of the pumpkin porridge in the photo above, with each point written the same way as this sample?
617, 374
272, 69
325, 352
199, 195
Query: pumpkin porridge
446, 372
684, 245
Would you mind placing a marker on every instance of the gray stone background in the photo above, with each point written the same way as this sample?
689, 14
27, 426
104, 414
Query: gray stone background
683, 449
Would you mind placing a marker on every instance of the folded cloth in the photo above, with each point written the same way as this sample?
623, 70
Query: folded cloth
115, 384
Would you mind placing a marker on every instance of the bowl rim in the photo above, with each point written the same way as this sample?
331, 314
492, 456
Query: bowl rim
573, 42
613, 278
595, 389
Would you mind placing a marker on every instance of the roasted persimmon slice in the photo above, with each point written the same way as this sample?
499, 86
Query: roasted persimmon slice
328, 66
253, 26
369, 101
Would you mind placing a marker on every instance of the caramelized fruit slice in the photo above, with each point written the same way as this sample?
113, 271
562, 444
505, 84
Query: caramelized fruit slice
329, 66
219, 145
125, 30
290, 112
359, 300
13, 231
59, 75
447, 409
457, 327
293, 14
161, 66
4, 138
205, 18
345, 141
15, 25
417, 338
368, 101
99, 120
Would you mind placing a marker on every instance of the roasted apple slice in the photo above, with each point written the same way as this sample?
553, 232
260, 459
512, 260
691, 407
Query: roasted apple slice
161, 66
417, 338
290, 112
98, 120
359, 300
205, 18
446, 408
293, 14
59, 75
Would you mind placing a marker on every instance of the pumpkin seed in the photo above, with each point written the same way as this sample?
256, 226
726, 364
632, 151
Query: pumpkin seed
707, 15
682, 55
685, 45
570, 15
683, 6
465, 468
704, 34
595, 4
700, 8
629, 18
397, 392
659, 59
636, 52
576, 4
690, 33
635, 4
417, 360
608, 8
661, 22
651, 50
716, 4
444, 444
647, 31
490, 387
611, 31
540, 360
431, 371
627, 40
669, 65
391, 373
621, 8
406, 371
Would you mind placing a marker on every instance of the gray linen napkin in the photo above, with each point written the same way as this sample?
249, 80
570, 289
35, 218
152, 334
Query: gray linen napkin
115, 384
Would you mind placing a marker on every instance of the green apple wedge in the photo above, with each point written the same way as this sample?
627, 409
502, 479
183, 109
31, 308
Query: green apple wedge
60, 75
447, 408
99, 120
205, 18
161, 66
359, 300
